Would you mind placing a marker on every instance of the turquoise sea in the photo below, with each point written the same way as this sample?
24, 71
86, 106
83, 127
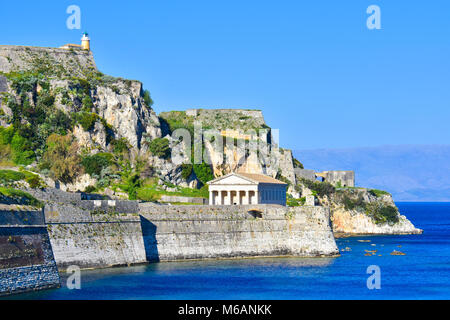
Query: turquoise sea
423, 273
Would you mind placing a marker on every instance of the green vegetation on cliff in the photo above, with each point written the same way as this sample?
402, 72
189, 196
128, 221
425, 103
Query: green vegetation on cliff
320, 189
297, 164
14, 196
382, 213
151, 191
292, 202
171, 121
378, 210
379, 193
50, 94
203, 172
61, 158
160, 147
216, 119
369, 202
95, 164
10, 178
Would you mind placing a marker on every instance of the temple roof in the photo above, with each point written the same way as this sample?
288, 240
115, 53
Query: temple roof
251, 177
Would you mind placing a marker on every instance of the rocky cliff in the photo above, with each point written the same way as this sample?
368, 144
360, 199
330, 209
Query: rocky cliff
81, 130
234, 140
72, 83
359, 210
46, 91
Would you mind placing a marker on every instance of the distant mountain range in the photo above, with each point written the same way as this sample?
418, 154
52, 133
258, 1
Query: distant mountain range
410, 172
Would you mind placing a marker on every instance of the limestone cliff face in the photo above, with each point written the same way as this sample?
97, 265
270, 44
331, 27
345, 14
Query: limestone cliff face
77, 86
363, 211
278, 164
121, 104
105, 109
125, 110
247, 131
354, 222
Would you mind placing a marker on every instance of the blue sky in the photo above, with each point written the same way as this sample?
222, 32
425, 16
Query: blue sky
313, 67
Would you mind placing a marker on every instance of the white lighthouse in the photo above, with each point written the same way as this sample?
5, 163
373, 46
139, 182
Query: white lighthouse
86, 42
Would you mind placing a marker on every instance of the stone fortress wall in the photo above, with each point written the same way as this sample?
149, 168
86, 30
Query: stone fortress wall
180, 199
19, 58
345, 178
236, 116
255, 114
170, 233
26, 257
206, 232
94, 233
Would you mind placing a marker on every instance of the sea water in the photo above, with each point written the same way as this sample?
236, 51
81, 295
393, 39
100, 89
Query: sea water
422, 273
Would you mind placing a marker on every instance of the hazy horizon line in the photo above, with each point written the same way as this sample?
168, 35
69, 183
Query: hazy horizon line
372, 147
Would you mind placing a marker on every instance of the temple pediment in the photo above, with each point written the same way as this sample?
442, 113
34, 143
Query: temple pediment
232, 179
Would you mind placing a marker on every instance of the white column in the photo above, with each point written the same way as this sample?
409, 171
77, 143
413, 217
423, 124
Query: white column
257, 197
238, 195
247, 196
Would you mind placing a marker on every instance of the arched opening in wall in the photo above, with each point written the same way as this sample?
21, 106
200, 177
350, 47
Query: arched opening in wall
320, 176
255, 213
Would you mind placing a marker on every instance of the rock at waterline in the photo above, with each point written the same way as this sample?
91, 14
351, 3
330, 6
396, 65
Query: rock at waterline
397, 253
370, 252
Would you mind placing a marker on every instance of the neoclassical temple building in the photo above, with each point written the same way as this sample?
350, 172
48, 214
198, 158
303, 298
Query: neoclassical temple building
246, 188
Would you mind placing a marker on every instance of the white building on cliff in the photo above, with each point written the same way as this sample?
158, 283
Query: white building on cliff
85, 44
246, 188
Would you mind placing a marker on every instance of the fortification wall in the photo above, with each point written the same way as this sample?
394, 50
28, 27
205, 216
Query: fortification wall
22, 58
98, 244
26, 257
52, 194
15, 217
181, 199
167, 233
345, 178
225, 232
256, 114
305, 174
